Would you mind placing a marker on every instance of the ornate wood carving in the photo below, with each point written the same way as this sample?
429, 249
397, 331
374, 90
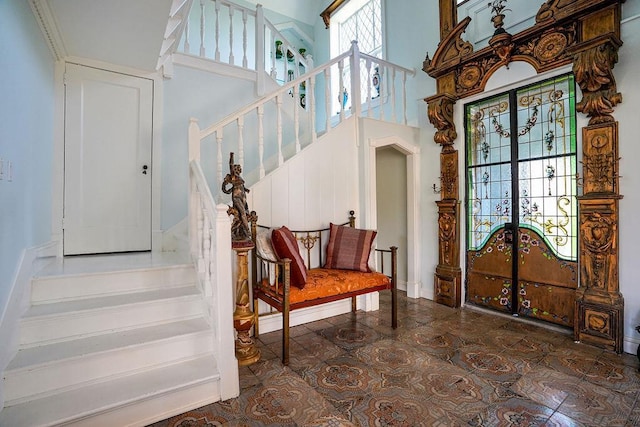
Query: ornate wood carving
593, 67
448, 17
599, 305
440, 112
585, 33
447, 281
600, 159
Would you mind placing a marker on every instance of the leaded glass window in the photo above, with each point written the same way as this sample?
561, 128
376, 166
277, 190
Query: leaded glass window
521, 164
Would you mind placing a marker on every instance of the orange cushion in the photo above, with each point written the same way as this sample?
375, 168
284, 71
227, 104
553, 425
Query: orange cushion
325, 282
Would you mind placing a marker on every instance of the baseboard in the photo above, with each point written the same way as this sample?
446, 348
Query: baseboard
630, 345
176, 238
273, 322
31, 261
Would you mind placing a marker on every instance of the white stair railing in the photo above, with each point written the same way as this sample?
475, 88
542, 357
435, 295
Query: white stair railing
277, 126
235, 35
210, 247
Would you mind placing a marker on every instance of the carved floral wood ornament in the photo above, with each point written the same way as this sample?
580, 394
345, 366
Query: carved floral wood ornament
586, 34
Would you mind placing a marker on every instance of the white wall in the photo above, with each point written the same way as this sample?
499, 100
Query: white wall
26, 141
626, 73
208, 98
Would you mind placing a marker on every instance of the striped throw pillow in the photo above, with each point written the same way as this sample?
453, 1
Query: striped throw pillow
349, 248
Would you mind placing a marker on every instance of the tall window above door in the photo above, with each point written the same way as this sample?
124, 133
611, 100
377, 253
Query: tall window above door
359, 20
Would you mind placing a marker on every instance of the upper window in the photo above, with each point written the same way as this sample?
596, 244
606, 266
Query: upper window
359, 20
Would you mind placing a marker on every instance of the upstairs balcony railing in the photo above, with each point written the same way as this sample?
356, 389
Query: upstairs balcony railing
280, 124
225, 32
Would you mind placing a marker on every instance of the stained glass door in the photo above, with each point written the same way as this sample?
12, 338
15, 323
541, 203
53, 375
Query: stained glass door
521, 202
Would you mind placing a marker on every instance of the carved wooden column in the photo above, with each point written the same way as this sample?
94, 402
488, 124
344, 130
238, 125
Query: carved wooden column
599, 307
447, 280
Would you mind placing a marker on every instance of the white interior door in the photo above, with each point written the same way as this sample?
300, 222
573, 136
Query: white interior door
108, 137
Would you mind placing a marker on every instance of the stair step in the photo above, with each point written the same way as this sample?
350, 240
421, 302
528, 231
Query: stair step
47, 323
138, 399
46, 369
71, 279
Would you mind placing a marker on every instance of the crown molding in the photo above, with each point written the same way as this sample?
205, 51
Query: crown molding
47, 23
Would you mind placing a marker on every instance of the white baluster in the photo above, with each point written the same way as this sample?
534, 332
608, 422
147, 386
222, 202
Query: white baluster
200, 265
219, 136
368, 65
241, 141
296, 115
244, 38
311, 103
279, 128
231, 60
194, 207
206, 253
393, 96
261, 138
260, 65
202, 50
341, 89
274, 72
327, 99
187, 47
404, 96
217, 4
382, 71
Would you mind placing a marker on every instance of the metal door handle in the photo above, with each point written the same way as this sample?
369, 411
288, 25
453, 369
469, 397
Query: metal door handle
144, 169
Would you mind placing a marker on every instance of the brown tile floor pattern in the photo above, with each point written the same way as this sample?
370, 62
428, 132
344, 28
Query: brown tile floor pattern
441, 367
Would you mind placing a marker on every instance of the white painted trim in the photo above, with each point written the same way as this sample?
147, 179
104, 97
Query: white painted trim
31, 261
412, 152
630, 345
214, 67
293, 26
47, 23
273, 322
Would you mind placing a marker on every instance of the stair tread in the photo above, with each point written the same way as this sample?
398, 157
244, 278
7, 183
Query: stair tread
108, 301
96, 264
39, 355
97, 397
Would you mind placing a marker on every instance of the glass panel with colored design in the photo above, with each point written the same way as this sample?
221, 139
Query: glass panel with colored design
521, 201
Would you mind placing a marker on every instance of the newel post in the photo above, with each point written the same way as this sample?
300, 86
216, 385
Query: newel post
194, 140
356, 107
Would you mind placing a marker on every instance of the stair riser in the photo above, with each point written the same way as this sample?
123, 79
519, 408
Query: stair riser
21, 385
64, 288
50, 329
145, 412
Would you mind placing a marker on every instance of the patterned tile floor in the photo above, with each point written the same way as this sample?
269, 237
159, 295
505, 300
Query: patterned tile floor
441, 367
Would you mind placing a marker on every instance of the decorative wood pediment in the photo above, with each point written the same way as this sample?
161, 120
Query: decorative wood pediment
561, 25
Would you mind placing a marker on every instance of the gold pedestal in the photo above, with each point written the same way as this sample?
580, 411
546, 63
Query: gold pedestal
243, 320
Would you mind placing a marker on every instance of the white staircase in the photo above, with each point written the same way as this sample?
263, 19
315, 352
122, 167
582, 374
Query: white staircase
112, 340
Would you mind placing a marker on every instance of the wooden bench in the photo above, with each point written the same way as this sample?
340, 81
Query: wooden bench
273, 282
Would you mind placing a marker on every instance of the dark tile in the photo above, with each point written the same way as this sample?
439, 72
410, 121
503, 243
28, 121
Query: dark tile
441, 367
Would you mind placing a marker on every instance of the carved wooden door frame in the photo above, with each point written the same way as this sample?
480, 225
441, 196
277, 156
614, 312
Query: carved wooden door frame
586, 34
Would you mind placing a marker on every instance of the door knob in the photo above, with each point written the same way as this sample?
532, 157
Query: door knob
144, 169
